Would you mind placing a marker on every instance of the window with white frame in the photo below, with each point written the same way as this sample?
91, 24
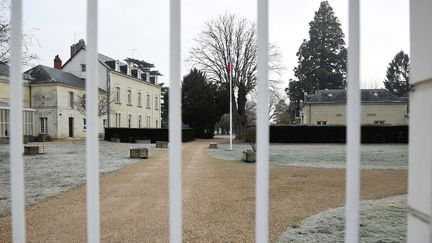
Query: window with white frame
129, 97
4, 123
321, 122
118, 119
139, 121
156, 105
43, 125
104, 123
148, 121
84, 124
83, 68
139, 99
28, 123
117, 95
71, 100
148, 101
157, 124
129, 120
379, 122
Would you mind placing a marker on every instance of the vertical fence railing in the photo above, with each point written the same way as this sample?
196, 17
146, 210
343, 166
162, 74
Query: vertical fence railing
353, 125
175, 126
175, 204
16, 135
420, 122
92, 141
262, 164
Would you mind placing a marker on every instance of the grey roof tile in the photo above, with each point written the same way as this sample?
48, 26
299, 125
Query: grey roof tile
338, 96
44, 74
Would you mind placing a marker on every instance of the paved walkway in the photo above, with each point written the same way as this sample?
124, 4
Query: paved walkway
218, 200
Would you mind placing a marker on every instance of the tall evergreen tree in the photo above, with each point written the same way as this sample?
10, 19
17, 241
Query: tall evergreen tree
199, 109
322, 58
164, 105
397, 78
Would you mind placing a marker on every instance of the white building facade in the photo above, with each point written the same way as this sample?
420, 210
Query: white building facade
135, 96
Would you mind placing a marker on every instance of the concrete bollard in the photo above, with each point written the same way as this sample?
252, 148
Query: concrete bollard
34, 149
141, 153
161, 144
213, 145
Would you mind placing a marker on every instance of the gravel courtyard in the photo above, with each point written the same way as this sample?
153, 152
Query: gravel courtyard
218, 195
60, 168
373, 156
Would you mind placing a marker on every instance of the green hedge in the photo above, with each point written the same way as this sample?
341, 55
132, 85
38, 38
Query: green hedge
130, 135
336, 134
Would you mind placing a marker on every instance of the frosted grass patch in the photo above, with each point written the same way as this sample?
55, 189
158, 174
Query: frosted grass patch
373, 156
383, 220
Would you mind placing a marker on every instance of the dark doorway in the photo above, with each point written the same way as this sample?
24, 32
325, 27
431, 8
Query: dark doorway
71, 127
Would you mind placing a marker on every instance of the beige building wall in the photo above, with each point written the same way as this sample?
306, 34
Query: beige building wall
51, 101
149, 112
44, 101
335, 114
5, 88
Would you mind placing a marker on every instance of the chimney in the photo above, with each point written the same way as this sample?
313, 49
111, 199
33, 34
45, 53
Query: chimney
77, 46
57, 62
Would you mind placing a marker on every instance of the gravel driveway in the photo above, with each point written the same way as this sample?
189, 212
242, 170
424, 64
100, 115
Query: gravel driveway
60, 168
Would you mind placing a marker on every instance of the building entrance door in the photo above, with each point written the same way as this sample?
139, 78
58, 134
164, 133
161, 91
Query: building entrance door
71, 127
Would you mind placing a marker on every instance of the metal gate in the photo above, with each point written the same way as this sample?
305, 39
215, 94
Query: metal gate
419, 228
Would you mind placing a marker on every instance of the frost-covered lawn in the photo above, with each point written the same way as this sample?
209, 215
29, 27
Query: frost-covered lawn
373, 156
60, 168
383, 220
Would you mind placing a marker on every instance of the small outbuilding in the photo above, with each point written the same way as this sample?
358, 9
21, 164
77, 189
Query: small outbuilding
378, 107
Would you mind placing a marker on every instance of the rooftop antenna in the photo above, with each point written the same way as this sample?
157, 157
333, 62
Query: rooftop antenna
133, 52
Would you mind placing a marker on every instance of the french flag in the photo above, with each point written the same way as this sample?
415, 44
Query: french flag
229, 62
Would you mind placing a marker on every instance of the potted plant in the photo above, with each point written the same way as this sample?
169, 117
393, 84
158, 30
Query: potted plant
250, 154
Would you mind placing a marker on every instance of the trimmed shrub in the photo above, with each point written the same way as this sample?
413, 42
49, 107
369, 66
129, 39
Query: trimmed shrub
336, 134
130, 135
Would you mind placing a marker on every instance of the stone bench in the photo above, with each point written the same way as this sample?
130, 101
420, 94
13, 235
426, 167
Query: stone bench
213, 145
141, 153
161, 144
34, 149
249, 156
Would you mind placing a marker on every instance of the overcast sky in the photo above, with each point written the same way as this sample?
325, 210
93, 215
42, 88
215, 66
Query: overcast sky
143, 25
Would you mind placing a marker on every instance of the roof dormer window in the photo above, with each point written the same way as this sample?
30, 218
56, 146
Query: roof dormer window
128, 70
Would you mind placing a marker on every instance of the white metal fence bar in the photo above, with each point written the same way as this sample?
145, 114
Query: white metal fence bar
262, 165
420, 120
92, 142
175, 127
16, 138
353, 125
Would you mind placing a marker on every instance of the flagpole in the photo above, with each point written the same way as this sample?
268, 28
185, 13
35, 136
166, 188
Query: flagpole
230, 80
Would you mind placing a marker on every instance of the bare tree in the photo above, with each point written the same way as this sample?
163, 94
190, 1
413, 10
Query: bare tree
275, 101
103, 102
211, 55
28, 37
